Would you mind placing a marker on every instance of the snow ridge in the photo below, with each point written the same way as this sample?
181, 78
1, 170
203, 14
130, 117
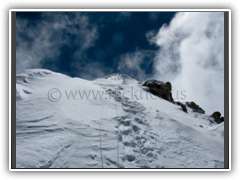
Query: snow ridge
117, 131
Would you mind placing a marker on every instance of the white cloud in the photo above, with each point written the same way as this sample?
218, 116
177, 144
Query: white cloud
93, 70
191, 56
41, 42
135, 63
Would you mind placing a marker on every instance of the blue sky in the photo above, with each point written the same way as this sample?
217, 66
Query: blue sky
185, 48
88, 44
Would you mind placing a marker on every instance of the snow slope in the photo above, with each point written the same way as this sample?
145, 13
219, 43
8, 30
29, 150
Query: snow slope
115, 124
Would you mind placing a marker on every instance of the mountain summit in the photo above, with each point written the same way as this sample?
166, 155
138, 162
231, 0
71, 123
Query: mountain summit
110, 122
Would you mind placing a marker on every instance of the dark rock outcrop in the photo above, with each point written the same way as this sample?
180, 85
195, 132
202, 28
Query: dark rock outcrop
222, 119
195, 107
163, 90
182, 106
217, 117
160, 89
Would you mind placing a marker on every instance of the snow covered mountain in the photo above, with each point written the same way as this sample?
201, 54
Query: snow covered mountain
110, 122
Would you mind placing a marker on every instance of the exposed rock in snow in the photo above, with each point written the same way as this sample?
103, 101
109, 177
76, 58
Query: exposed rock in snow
160, 89
182, 106
217, 117
195, 107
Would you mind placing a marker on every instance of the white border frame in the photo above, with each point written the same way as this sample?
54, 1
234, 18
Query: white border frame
119, 10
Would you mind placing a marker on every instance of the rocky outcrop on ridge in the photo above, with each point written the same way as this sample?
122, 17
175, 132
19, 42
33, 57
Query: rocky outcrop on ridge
182, 106
164, 90
195, 107
160, 89
217, 117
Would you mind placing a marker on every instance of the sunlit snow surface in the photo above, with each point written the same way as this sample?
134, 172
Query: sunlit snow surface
119, 130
